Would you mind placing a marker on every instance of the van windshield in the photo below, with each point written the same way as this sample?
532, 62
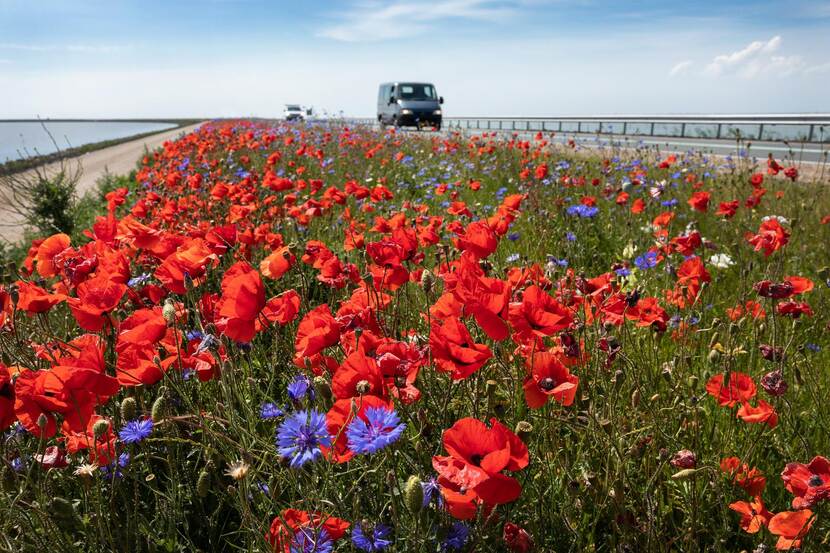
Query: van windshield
412, 91
292, 108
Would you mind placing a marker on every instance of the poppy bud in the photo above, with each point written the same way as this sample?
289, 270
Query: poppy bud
619, 378
159, 409
169, 311
100, 428
413, 493
684, 474
635, 397
128, 408
42, 421
427, 281
714, 356
322, 387
203, 484
523, 430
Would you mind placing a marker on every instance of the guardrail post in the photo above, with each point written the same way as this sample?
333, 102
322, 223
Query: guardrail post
719, 128
761, 131
682, 130
625, 127
651, 132
579, 126
810, 134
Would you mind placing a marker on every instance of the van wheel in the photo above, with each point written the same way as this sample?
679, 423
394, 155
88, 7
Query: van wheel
396, 123
380, 122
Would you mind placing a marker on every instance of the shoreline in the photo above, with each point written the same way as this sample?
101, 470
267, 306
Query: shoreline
14, 166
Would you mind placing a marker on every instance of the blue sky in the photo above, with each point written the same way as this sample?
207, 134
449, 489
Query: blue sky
154, 58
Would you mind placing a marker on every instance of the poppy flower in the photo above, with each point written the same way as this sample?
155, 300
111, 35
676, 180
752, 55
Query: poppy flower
358, 375
516, 538
281, 309
243, 297
295, 530
790, 527
46, 253
809, 483
771, 237
97, 297
454, 350
764, 413
754, 515
538, 315
479, 239
7, 416
750, 479
477, 455
34, 299
277, 263
741, 389
317, 330
699, 201
549, 378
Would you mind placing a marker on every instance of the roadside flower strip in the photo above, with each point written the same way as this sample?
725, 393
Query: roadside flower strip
324, 338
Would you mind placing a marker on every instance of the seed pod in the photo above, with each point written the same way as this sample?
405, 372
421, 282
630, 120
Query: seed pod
427, 281
159, 409
203, 484
523, 430
414, 494
714, 356
635, 397
128, 408
42, 421
322, 387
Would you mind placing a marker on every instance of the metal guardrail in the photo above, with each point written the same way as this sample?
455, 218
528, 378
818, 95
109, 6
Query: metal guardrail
810, 128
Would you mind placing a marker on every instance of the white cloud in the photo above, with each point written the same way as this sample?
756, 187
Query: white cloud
822, 68
375, 20
748, 61
680, 68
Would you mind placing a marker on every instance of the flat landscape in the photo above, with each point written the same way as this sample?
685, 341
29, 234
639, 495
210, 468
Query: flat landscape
316, 337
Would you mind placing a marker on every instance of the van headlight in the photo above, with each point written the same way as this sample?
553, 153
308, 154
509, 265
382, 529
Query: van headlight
437, 112
406, 112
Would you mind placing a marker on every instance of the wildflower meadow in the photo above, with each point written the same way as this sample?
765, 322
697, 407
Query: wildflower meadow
328, 337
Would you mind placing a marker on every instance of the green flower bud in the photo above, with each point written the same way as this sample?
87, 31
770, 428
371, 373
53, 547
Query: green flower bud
203, 484
159, 409
100, 428
128, 408
169, 311
414, 494
523, 430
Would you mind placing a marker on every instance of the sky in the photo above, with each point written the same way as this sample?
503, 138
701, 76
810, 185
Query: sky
229, 58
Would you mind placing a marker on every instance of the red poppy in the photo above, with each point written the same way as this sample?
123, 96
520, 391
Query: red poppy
754, 515
358, 375
764, 413
699, 201
454, 350
740, 389
46, 253
317, 331
7, 416
790, 527
190, 259
277, 263
750, 479
809, 483
97, 297
243, 297
770, 238
281, 309
538, 315
728, 209
549, 378
290, 521
477, 455
34, 299
516, 538
479, 239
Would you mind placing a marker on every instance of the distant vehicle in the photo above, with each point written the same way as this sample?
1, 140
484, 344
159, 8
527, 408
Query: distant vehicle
293, 112
406, 104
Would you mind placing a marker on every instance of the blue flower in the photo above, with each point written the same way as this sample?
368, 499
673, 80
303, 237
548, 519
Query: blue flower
135, 431
138, 280
300, 436
570, 237
381, 428
512, 258
815, 348
584, 211
513, 236
270, 411
194, 334
456, 537
304, 540
646, 261
623, 272
374, 541
300, 387
431, 490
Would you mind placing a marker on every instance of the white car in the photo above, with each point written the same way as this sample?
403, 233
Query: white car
293, 112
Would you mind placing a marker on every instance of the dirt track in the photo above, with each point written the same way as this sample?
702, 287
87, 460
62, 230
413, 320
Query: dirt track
119, 159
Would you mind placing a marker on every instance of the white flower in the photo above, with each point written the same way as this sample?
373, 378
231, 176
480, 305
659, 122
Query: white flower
721, 261
629, 251
87, 470
238, 470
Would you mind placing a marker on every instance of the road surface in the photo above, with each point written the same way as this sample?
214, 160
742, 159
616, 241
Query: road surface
117, 160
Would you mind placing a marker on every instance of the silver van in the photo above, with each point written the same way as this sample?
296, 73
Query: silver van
407, 104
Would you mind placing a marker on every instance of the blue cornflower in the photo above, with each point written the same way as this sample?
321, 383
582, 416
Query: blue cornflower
431, 490
300, 436
209, 341
584, 211
456, 537
815, 348
135, 431
194, 334
570, 237
623, 272
270, 411
512, 258
371, 541
305, 540
138, 280
381, 428
113, 470
513, 236
669, 203
646, 261
300, 387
